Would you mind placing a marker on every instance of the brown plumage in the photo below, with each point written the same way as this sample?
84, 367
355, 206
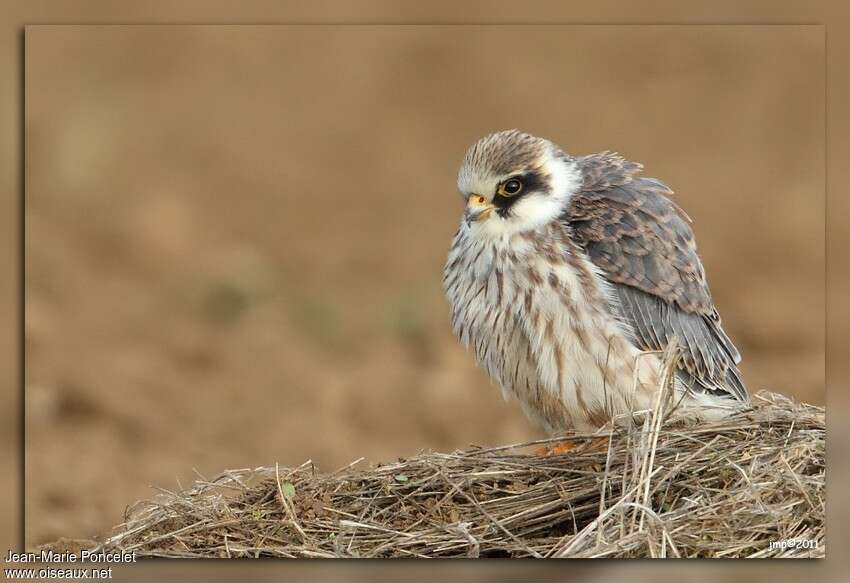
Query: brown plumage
643, 242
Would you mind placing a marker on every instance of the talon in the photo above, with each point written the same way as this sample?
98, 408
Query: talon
559, 448
566, 446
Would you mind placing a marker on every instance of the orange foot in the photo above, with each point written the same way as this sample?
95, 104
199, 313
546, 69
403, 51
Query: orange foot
558, 448
566, 446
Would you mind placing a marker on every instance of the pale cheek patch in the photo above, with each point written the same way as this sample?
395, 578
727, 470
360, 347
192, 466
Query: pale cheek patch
527, 214
536, 210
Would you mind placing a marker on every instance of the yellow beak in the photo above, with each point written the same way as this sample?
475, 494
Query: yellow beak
477, 208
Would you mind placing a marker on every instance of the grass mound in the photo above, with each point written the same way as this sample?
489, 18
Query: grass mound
737, 488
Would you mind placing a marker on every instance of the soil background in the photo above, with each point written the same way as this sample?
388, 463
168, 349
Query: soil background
235, 235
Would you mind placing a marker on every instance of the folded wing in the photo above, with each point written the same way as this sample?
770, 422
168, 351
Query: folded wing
643, 245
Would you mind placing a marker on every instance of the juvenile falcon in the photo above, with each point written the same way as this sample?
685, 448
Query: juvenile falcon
569, 273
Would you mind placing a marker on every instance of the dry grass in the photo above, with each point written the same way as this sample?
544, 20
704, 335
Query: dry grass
725, 489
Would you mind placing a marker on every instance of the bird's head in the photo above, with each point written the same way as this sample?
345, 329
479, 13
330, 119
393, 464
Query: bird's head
514, 182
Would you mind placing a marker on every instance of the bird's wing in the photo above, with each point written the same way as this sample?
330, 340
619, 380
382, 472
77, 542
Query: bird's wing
643, 245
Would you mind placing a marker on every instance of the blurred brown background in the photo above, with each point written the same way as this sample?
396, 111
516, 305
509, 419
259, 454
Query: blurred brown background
235, 235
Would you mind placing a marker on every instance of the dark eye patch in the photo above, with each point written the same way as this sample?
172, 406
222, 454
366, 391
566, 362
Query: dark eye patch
531, 182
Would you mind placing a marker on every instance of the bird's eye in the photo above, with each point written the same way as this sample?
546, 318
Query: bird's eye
510, 187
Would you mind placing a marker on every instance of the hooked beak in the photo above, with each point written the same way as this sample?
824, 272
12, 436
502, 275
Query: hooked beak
477, 208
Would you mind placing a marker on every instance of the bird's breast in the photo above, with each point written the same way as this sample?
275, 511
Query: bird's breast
538, 319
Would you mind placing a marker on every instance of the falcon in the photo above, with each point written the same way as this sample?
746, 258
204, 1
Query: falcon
570, 275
